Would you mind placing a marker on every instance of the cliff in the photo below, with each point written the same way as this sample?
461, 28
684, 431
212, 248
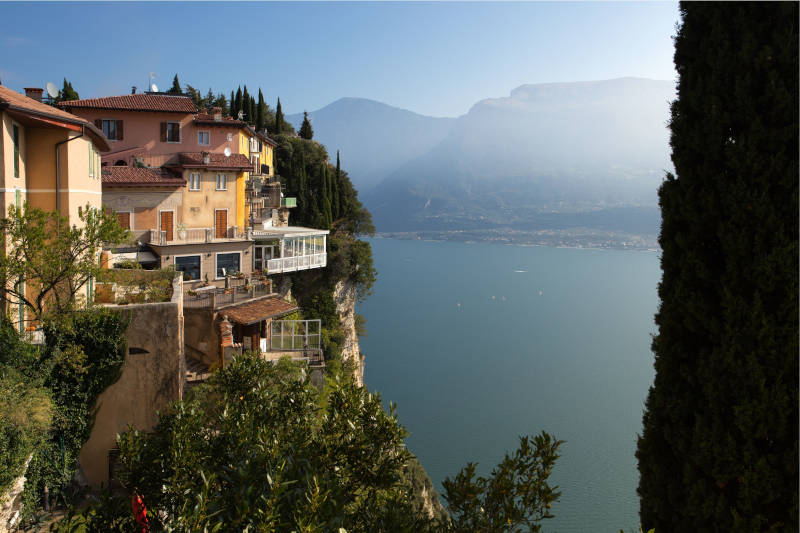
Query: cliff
344, 295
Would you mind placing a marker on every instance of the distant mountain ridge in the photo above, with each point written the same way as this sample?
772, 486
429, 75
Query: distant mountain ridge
545, 152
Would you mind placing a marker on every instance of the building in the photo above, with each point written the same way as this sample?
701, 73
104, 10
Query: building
49, 159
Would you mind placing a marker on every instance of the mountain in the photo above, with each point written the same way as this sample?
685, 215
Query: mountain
374, 138
544, 153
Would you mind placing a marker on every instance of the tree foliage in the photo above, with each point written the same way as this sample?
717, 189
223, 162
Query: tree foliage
719, 448
253, 451
176, 87
306, 131
67, 92
49, 261
516, 494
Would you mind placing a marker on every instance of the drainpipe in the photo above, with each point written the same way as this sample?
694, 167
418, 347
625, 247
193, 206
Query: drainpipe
58, 182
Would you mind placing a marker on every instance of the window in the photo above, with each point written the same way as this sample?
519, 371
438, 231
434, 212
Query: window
203, 138
227, 264
222, 182
124, 219
189, 265
112, 129
194, 181
173, 132
16, 150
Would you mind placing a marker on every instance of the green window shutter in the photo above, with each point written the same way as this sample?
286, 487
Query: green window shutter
16, 150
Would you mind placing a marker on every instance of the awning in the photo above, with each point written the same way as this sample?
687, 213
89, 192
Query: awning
252, 312
285, 232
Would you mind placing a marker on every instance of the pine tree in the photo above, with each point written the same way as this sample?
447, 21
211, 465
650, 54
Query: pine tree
176, 86
719, 449
261, 112
238, 106
208, 101
220, 102
278, 118
306, 131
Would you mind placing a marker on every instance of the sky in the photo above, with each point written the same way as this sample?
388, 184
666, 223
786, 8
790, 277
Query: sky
435, 59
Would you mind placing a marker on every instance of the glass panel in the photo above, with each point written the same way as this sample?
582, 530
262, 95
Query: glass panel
190, 266
227, 264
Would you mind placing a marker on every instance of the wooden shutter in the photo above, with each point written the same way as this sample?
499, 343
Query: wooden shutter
163, 132
99, 123
124, 220
119, 130
221, 223
166, 224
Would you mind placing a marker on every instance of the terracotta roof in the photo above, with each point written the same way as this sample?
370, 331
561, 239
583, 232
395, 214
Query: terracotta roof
140, 177
206, 119
259, 310
216, 161
136, 102
20, 103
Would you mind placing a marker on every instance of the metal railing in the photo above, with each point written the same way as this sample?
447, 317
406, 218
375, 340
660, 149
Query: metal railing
216, 297
193, 236
299, 262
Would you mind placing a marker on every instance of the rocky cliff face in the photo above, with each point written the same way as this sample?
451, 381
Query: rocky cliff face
344, 295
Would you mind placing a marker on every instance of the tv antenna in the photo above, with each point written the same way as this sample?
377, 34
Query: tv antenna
240, 115
52, 90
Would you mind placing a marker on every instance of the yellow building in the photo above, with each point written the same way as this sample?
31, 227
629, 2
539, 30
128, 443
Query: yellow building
49, 159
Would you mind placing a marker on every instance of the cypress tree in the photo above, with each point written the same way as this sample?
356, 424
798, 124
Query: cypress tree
261, 112
306, 131
238, 107
252, 110
335, 209
176, 86
232, 110
246, 105
325, 199
719, 448
278, 117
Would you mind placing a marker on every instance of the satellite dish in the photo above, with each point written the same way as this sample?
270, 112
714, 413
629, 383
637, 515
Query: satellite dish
154, 87
52, 90
227, 152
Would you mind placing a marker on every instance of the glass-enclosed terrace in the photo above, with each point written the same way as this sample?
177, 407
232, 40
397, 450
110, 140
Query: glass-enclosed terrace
289, 249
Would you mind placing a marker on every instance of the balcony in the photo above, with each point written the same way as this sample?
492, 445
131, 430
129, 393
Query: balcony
194, 236
300, 262
239, 291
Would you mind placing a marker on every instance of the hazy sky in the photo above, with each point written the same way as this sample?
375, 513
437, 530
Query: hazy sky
432, 58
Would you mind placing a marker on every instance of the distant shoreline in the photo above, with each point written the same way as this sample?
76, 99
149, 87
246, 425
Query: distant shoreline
580, 239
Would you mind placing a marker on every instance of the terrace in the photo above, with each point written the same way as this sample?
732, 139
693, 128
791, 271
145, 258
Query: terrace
238, 291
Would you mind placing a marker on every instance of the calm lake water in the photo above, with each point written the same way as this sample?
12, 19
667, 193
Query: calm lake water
481, 343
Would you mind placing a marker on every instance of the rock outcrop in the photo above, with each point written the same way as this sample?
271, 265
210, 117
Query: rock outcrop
344, 295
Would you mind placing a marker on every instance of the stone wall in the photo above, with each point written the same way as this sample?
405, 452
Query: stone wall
201, 332
11, 502
151, 379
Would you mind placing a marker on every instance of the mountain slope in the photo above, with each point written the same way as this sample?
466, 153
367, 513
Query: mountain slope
552, 148
374, 138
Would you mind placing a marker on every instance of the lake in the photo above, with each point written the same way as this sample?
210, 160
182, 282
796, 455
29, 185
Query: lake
481, 343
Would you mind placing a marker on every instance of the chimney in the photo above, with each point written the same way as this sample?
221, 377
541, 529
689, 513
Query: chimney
133, 89
34, 93
217, 112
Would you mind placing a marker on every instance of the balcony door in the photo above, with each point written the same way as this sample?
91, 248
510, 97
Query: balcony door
221, 223
166, 224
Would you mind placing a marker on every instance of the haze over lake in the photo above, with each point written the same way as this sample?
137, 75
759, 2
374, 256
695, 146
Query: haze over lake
481, 343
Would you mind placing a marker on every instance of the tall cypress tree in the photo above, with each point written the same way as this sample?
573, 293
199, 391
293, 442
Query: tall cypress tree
252, 110
335, 209
238, 106
246, 105
261, 112
325, 199
278, 117
719, 449
232, 108
176, 86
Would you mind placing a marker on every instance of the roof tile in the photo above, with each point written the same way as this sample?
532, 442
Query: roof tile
252, 312
216, 160
140, 177
136, 102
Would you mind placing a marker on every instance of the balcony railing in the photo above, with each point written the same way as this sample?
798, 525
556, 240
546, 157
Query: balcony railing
216, 297
299, 262
194, 236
